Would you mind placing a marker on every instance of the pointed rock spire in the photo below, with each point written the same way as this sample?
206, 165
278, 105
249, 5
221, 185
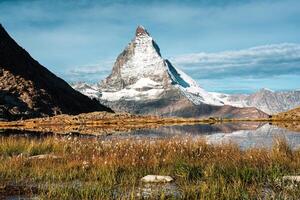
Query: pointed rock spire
141, 31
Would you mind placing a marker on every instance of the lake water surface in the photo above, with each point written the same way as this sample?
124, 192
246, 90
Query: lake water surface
244, 134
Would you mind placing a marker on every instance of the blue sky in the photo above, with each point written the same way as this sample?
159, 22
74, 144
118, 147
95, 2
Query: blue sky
232, 46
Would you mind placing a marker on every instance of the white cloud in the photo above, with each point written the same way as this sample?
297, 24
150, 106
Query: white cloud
89, 73
259, 62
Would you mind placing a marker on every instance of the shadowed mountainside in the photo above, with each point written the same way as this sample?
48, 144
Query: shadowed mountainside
28, 89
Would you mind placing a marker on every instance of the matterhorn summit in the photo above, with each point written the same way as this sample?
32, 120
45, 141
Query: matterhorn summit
139, 63
140, 73
143, 82
141, 31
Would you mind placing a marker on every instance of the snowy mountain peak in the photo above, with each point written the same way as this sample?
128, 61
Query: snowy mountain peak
144, 45
140, 59
141, 31
140, 73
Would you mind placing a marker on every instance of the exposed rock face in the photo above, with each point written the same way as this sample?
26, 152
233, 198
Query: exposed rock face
142, 82
266, 100
27, 89
140, 59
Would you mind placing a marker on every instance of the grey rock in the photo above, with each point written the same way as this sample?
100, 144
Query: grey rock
291, 178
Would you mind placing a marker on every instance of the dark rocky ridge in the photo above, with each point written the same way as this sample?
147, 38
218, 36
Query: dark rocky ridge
27, 89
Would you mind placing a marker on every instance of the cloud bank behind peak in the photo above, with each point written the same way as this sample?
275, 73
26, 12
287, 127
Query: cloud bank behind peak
256, 62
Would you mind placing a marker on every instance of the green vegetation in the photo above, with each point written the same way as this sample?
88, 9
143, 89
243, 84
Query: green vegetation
95, 169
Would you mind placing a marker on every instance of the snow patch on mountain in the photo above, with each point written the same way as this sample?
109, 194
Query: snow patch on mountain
145, 83
87, 89
131, 94
144, 88
190, 87
145, 62
228, 99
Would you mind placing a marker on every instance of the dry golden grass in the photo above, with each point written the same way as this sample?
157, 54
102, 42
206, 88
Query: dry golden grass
291, 115
101, 168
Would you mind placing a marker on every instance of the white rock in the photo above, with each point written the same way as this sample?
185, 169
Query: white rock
156, 179
44, 156
291, 178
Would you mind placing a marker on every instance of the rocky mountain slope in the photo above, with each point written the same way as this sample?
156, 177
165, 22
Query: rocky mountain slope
28, 89
266, 100
143, 82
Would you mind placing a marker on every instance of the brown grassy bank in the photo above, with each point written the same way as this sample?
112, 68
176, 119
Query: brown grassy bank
291, 115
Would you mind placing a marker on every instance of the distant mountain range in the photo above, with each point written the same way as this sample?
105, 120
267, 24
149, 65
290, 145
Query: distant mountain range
266, 100
27, 89
143, 82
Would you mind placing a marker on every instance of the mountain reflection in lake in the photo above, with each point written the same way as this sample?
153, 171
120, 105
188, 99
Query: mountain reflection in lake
245, 134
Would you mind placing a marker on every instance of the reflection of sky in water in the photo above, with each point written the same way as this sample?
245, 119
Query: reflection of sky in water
247, 134
261, 137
